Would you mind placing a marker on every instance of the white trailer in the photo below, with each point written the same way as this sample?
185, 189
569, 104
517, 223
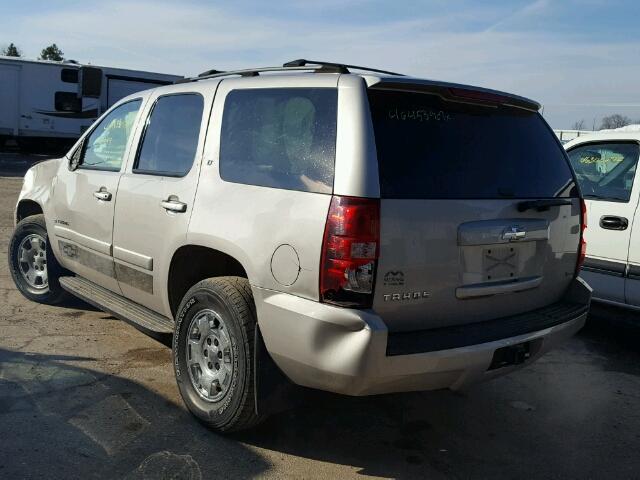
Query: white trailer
59, 100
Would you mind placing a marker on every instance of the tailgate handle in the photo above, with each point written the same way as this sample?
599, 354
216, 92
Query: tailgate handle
611, 222
487, 289
515, 233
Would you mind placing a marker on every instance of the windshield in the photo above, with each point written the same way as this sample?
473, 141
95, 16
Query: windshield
605, 171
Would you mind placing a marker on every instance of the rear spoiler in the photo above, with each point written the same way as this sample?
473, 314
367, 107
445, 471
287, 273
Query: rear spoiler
452, 91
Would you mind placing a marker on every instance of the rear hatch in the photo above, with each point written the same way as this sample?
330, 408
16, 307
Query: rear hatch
479, 213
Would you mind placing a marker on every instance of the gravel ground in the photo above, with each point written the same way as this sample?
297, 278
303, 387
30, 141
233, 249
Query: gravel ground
83, 395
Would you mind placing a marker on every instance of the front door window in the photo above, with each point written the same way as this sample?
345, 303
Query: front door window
105, 146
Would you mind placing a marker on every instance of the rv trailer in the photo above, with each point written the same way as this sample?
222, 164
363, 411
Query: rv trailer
52, 103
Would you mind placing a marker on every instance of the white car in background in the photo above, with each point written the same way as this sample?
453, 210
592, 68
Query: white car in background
606, 168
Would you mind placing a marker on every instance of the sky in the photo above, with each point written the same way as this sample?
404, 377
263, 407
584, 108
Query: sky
579, 59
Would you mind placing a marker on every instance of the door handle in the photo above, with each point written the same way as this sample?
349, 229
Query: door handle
102, 194
172, 204
612, 222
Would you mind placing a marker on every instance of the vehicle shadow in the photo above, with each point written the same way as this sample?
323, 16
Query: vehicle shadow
113, 427
59, 419
75, 303
385, 436
499, 429
616, 332
377, 435
615, 323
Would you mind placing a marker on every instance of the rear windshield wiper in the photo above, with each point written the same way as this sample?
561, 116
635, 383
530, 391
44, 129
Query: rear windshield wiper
542, 205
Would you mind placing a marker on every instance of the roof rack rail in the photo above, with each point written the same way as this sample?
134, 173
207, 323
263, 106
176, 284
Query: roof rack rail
294, 65
249, 72
340, 67
210, 72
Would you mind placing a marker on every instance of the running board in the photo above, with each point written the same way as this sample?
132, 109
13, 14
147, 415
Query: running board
117, 305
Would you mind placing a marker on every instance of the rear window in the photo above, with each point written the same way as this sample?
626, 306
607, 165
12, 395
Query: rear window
431, 148
280, 137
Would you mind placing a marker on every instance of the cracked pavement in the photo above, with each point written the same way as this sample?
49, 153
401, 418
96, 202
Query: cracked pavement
83, 395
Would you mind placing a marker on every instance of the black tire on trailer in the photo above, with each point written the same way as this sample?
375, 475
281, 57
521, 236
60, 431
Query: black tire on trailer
32, 264
213, 353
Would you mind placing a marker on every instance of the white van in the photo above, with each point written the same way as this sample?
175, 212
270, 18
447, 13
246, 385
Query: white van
606, 167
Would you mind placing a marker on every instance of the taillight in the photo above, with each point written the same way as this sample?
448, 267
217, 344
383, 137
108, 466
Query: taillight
582, 250
350, 252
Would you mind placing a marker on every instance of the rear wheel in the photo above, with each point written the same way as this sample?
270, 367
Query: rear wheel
213, 347
34, 268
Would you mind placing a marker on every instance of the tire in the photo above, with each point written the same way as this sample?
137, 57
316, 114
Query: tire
229, 405
51, 293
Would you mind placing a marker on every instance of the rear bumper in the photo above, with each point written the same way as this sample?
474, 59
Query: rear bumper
351, 352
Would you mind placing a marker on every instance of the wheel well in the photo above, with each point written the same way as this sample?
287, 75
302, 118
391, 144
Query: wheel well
192, 263
27, 208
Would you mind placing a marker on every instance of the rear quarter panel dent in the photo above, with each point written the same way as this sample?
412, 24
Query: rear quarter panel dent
249, 223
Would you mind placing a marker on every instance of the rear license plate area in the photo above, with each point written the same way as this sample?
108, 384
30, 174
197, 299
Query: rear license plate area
511, 355
500, 263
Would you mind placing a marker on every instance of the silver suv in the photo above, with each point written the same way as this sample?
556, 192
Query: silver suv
356, 233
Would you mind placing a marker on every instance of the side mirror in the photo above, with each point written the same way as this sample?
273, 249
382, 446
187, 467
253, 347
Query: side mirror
74, 159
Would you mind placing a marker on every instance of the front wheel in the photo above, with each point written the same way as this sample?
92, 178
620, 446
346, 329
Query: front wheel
213, 349
34, 268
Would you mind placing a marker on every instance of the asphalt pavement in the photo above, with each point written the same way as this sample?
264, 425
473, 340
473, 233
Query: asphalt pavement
83, 395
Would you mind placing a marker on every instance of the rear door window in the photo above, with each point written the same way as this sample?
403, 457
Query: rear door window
606, 171
280, 137
170, 139
432, 148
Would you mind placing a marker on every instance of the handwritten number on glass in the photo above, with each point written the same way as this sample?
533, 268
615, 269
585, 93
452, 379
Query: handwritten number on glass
421, 115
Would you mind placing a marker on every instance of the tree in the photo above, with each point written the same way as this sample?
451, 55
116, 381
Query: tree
578, 125
11, 51
52, 52
615, 121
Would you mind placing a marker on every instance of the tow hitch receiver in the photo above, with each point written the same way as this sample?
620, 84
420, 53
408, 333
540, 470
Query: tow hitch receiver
511, 355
